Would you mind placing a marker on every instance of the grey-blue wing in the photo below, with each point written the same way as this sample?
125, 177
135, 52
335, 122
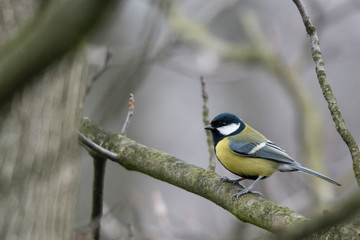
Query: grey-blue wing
242, 148
266, 150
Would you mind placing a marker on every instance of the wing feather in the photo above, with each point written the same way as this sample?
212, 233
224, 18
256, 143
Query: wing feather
266, 150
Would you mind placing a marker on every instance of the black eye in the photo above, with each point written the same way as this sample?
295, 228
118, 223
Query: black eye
219, 124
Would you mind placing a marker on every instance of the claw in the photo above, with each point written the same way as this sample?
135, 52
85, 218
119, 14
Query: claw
248, 189
233, 181
245, 191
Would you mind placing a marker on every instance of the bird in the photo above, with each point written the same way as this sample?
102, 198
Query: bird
250, 155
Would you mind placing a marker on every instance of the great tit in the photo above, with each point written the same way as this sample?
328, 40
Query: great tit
247, 153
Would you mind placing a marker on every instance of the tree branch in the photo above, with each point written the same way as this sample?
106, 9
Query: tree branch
200, 35
344, 211
98, 189
136, 157
104, 66
327, 92
205, 112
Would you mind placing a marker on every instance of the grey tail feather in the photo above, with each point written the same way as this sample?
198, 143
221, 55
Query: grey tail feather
311, 172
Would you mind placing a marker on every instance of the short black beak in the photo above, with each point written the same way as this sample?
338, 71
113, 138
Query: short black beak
209, 127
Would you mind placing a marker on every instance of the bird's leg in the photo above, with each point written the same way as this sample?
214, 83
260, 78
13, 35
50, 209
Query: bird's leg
248, 189
233, 181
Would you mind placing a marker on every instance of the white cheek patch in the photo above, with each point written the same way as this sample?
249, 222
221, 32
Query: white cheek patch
228, 129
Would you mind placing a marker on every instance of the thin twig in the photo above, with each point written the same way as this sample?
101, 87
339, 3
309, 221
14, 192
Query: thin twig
129, 114
327, 92
94, 147
100, 71
82, 231
99, 159
196, 33
98, 188
205, 112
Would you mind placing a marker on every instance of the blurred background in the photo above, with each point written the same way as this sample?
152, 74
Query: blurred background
256, 60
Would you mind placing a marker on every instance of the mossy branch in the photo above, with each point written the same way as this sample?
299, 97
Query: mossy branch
249, 208
327, 92
137, 157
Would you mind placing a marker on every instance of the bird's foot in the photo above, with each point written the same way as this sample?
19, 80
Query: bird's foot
243, 191
233, 181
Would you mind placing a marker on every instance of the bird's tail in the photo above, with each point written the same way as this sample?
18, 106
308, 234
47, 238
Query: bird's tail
311, 172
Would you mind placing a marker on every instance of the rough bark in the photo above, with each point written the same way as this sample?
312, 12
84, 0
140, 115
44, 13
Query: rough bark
39, 162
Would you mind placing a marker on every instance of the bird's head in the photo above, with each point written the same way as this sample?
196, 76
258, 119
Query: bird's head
224, 125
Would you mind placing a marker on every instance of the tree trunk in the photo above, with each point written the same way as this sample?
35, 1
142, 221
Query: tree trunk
38, 147
39, 162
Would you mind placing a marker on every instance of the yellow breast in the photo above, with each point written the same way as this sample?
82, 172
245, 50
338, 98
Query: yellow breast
243, 166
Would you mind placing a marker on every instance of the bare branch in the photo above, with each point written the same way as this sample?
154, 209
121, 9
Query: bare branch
94, 147
99, 158
101, 70
98, 189
200, 35
85, 231
205, 112
327, 92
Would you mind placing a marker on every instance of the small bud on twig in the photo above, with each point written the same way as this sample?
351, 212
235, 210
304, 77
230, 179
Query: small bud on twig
129, 115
